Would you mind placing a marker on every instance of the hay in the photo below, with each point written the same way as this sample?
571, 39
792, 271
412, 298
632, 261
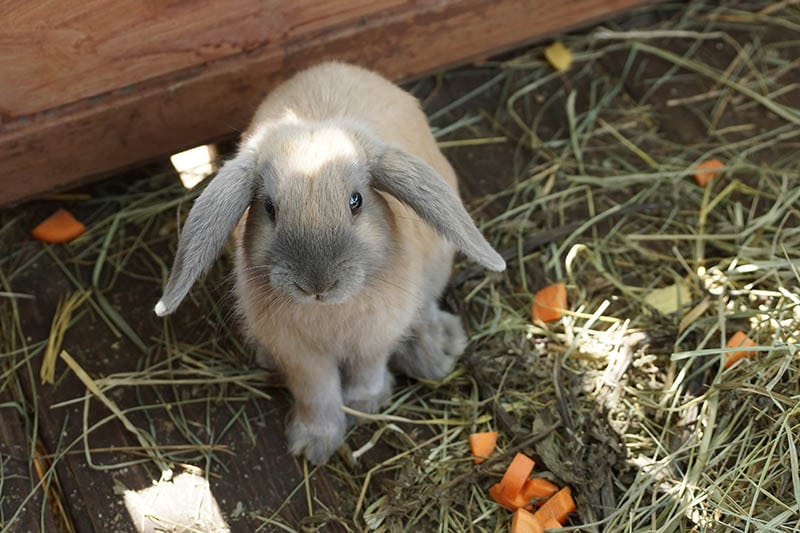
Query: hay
624, 400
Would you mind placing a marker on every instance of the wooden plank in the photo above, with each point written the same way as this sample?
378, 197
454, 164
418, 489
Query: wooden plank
18, 480
53, 53
59, 148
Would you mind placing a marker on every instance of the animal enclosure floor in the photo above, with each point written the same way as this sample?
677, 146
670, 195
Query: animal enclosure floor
153, 425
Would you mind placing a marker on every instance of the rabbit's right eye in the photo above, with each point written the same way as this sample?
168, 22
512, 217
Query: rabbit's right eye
269, 207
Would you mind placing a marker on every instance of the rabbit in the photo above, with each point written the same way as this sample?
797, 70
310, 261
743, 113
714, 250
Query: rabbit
345, 218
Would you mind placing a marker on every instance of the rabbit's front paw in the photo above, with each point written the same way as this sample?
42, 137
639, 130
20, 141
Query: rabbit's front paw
316, 438
433, 347
369, 390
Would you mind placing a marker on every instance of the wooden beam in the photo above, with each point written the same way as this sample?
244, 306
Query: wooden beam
212, 100
19, 475
58, 53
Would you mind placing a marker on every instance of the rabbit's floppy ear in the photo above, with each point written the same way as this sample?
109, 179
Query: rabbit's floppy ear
418, 185
212, 218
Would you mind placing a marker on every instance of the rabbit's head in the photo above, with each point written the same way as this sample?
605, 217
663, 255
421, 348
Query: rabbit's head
318, 226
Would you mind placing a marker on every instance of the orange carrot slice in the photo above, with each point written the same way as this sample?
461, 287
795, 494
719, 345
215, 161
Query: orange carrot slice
705, 171
739, 339
482, 445
549, 303
60, 227
508, 492
524, 522
538, 488
532, 489
557, 507
516, 475
551, 523
512, 503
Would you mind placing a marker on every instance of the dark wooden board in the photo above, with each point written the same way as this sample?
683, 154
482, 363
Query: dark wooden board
153, 117
19, 475
58, 53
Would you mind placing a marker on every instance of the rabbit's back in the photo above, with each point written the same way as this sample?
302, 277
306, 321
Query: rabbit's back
335, 90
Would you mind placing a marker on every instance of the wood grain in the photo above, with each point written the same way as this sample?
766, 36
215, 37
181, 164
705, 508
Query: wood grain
19, 476
149, 119
56, 53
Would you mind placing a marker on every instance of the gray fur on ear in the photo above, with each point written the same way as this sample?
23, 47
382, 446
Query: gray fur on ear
417, 184
212, 218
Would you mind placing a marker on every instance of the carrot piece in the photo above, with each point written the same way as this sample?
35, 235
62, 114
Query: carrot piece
551, 523
549, 302
516, 475
705, 171
524, 522
482, 445
538, 488
738, 339
508, 491
59, 227
532, 489
511, 502
557, 507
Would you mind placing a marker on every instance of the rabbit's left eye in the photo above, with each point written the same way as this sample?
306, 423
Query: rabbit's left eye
355, 203
269, 207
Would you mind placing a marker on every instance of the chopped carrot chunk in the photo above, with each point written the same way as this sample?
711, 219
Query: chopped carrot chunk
549, 303
557, 507
60, 227
524, 522
516, 490
551, 523
538, 488
516, 475
512, 503
482, 445
705, 171
739, 339
508, 492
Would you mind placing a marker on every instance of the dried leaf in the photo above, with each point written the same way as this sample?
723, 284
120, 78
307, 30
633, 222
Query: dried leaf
558, 56
670, 298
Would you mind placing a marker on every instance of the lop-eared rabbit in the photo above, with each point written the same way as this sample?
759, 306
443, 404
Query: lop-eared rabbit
346, 217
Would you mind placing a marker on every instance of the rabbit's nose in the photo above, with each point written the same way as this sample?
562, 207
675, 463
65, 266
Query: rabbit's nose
321, 295
317, 289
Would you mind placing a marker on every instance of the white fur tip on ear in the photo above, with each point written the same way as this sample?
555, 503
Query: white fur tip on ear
497, 264
161, 309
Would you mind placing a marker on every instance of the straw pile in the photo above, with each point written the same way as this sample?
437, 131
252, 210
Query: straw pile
626, 398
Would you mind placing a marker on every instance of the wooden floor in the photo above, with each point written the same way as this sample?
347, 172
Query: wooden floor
253, 475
